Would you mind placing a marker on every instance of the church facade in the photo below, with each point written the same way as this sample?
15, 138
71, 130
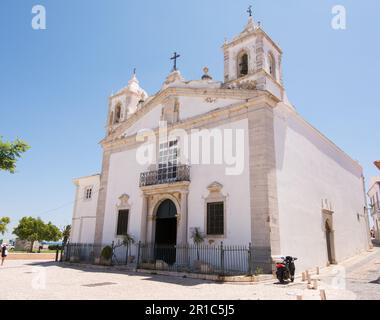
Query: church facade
261, 174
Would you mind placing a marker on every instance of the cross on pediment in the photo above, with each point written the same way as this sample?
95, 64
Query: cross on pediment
175, 57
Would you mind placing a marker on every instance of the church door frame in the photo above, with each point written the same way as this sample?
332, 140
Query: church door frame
165, 248
330, 244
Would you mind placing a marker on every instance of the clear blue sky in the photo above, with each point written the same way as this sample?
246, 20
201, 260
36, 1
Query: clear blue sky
54, 83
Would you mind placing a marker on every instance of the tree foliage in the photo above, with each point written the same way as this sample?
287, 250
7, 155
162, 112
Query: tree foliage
10, 152
197, 236
34, 229
4, 221
66, 234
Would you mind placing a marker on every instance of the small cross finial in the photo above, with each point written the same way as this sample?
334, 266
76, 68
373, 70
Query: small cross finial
134, 71
250, 11
175, 57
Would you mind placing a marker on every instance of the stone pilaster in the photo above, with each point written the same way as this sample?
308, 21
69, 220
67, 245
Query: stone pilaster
260, 59
226, 65
101, 207
265, 235
183, 222
150, 222
144, 218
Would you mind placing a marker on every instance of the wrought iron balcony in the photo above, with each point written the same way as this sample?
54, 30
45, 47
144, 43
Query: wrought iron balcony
165, 175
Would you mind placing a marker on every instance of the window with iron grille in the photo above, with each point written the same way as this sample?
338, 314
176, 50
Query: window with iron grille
215, 218
122, 222
168, 161
88, 193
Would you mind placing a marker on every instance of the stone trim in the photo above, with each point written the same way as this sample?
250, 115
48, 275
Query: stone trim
122, 205
200, 120
265, 233
102, 197
192, 92
154, 195
215, 195
258, 33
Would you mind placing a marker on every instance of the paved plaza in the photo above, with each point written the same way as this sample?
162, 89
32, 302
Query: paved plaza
357, 278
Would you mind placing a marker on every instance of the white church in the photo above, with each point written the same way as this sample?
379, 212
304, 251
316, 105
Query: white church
264, 175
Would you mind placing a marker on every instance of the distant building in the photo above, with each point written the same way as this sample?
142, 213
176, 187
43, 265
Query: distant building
24, 245
374, 196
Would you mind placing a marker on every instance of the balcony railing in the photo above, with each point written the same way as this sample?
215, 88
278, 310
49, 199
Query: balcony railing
165, 175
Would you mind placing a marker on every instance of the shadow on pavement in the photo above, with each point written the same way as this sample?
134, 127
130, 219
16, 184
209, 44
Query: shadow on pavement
183, 281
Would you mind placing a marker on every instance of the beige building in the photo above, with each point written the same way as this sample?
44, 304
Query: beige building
374, 197
265, 176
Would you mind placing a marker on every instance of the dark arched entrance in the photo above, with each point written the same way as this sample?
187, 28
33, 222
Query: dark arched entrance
166, 232
329, 242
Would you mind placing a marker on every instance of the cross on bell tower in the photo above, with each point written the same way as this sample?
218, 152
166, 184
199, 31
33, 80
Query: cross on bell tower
175, 57
249, 11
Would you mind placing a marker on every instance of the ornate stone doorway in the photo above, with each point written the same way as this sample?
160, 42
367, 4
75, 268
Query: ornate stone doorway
166, 232
330, 243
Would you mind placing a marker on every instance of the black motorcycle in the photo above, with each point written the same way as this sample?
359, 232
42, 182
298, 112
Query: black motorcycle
286, 269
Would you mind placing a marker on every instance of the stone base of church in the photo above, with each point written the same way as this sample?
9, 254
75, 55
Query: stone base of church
210, 277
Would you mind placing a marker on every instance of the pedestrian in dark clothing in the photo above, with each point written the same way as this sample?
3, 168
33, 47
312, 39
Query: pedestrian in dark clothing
4, 253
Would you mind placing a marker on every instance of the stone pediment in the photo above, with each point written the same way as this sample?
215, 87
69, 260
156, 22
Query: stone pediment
215, 187
124, 200
211, 94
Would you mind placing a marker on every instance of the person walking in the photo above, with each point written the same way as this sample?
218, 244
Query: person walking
4, 253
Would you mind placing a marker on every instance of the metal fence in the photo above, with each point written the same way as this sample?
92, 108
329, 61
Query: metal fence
204, 259
91, 253
84, 253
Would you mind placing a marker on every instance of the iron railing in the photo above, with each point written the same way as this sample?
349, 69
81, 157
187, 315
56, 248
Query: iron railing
192, 258
91, 253
84, 253
205, 259
165, 175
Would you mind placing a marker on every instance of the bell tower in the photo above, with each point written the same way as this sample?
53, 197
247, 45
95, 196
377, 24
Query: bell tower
252, 60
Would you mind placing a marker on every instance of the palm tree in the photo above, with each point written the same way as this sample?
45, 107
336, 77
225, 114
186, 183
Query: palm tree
198, 238
66, 234
127, 241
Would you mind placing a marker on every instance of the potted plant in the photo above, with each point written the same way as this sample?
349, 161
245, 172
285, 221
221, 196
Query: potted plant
198, 238
128, 241
106, 256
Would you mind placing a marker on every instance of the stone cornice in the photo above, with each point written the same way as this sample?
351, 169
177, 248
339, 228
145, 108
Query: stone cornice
199, 120
181, 186
261, 71
243, 37
176, 91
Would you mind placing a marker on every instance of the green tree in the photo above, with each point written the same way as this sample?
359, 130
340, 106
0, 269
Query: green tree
4, 221
34, 229
51, 232
10, 152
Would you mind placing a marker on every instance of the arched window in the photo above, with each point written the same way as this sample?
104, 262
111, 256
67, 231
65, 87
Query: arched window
272, 65
242, 64
117, 113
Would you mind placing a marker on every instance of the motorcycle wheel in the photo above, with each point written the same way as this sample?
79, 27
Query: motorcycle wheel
280, 277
